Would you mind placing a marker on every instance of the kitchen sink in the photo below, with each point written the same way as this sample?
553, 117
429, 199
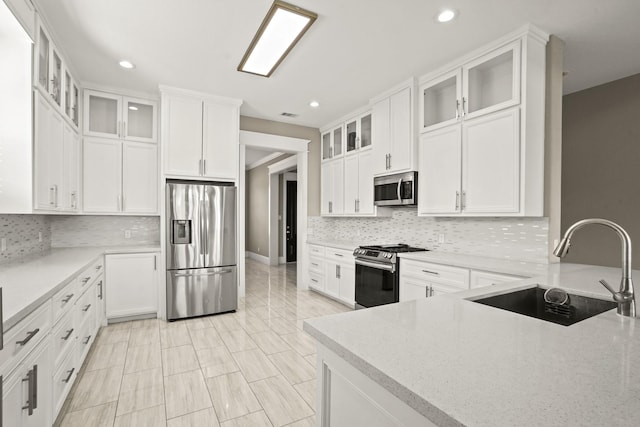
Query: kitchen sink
530, 302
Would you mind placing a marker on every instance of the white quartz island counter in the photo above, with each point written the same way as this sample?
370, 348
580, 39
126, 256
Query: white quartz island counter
27, 283
456, 362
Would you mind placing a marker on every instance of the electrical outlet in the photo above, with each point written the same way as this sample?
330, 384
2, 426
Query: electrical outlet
3, 244
441, 238
127, 234
40, 236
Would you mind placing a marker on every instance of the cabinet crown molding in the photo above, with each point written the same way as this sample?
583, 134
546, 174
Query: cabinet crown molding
526, 30
170, 90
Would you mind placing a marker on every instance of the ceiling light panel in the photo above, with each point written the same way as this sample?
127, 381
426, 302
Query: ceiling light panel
280, 30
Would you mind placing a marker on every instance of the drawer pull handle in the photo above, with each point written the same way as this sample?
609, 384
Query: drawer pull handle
435, 273
86, 307
67, 298
314, 280
313, 263
85, 280
340, 255
29, 336
69, 332
98, 267
66, 380
86, 341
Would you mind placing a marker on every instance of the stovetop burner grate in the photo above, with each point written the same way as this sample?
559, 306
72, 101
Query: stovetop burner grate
397, 248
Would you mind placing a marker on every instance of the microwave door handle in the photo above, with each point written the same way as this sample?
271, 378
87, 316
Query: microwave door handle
398, 190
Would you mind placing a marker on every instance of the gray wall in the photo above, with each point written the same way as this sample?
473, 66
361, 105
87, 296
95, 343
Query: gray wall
601, 168
257, 208
284, 129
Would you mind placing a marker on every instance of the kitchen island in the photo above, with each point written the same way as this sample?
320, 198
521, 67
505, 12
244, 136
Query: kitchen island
450, 361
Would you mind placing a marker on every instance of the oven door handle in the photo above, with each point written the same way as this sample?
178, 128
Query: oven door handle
380, 266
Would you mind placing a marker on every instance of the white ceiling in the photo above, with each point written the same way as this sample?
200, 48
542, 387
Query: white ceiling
355, 50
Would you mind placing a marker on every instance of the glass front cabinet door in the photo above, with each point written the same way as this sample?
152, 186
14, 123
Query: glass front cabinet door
139, 120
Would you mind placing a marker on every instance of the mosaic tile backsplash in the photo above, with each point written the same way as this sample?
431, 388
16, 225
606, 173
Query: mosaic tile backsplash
73, 231
523, 239
21, 234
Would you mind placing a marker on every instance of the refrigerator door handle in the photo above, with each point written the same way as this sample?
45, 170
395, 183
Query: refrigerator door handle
211, 273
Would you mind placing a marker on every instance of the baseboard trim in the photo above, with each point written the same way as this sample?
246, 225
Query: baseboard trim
257, 257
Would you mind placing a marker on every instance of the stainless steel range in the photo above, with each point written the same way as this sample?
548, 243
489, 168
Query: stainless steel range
378, 274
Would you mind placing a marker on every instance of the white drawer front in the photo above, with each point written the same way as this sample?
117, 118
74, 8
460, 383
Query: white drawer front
62, 339
316, 265
315, 250
89, 275
339, 255
85, 307
63, 379
316, 280
64, 300
23, 337
86, 336
452, 276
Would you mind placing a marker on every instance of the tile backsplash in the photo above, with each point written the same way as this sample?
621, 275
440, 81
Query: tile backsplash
73, 231
21, 234
523, 239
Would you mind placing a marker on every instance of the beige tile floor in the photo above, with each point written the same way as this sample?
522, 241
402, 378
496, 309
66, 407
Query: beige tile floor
255, 367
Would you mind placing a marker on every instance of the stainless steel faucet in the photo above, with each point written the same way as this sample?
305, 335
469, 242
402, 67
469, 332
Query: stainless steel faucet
625, 297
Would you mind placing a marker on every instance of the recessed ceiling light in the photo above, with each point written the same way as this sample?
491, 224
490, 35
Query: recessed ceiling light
314, 104
279, 32
446, 15
126, 64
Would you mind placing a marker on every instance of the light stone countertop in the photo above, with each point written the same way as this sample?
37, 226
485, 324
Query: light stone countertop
338, 244
462, 363
28, 283
498, 265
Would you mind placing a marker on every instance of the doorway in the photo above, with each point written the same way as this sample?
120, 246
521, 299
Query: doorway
291, 233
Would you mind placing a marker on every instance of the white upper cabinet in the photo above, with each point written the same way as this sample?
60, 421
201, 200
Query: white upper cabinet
358, 133
114, 116
392, 131
49, 156
481, 86
333, 142
120, 176
71, 169
25, 13
332, 191
201, 135
481, 152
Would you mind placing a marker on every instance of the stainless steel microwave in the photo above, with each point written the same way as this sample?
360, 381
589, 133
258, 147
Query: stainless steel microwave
396, 190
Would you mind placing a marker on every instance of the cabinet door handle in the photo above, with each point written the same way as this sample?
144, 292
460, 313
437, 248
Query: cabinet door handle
69, 332
124, 129
55, 194
87, 339
100, 287
118, 199
337, 271
66, 380
67, 298
435, 273
463, 201
457, 200
155, 263
123, 200
389, 160
51, 196
457, 109
1, 399
426, 292
28, 338
35, 387
204, 166
29, 380
85, 280
330, 207
464, 103
86, 308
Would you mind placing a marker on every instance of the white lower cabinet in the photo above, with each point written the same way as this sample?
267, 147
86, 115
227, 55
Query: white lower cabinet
422, 279
26, 399
332, 272
63, 379
347, 397
131, 285
486, 278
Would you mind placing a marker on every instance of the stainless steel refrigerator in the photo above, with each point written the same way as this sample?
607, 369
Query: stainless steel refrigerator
201, 249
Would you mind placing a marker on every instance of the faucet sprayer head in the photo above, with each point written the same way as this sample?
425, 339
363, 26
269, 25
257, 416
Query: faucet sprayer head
563, 248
